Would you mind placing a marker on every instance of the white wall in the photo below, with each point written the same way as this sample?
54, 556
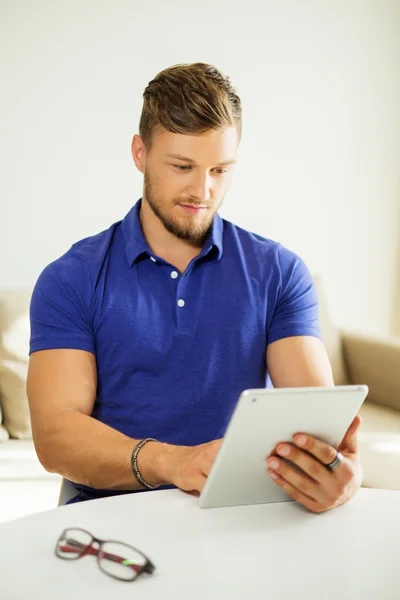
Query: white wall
319, 160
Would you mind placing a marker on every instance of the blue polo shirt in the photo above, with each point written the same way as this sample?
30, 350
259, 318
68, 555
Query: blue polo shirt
173, 350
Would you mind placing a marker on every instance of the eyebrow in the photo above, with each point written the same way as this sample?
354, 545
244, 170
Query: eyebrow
193, 162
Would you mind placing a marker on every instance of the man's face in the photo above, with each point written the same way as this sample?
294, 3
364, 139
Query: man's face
186, 178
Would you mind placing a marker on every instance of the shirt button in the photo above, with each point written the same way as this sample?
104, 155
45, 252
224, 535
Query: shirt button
181, 303
153, 259
174, 274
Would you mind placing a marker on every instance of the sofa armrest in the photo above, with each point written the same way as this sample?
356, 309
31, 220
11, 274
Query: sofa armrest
375, 362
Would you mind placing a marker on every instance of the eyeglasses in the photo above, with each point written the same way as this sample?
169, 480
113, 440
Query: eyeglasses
114, 558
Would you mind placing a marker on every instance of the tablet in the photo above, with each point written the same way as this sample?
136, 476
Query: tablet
264, 417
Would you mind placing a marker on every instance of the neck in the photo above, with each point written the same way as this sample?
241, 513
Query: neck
164, 244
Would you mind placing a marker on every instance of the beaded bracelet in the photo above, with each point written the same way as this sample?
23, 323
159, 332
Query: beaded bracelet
134, 464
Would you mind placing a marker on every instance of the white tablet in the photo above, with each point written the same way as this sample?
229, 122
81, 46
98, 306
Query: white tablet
263, 418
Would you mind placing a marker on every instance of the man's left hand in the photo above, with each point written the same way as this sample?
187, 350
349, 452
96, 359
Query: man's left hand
319, 488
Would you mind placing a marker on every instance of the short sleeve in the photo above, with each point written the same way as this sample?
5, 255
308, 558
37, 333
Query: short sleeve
60, 307
296, 311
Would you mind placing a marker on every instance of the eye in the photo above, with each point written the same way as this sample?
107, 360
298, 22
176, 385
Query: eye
220, 171
182, 168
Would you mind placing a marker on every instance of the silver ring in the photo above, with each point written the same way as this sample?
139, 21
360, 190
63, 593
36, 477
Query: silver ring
337, 462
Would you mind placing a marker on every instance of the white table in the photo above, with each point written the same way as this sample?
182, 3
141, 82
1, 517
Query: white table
270, 551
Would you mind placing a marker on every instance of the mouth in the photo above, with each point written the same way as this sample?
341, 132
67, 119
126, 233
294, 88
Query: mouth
192, 209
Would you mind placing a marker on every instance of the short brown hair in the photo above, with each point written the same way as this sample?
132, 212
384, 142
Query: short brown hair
189, 99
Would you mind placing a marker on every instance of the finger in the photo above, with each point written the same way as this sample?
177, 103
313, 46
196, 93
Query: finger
218, 442
213, 446
191, 481
205, 464
209, 451
302, 483
207, 456
205, 468
216, 445
321, 450
193, 493
198, 483
295, 494
350, 441
310, 465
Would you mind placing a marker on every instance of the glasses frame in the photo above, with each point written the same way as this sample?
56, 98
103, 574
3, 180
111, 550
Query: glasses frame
148, 567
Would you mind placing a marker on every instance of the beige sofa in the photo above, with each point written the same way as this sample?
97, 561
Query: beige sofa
25, 486
374, 361
354, 358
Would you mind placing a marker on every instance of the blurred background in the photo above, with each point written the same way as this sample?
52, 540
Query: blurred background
319, 163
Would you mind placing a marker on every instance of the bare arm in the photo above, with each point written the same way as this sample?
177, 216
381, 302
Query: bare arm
61, 391
299, 361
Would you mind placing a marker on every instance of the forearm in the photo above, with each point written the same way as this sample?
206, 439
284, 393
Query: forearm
87, 451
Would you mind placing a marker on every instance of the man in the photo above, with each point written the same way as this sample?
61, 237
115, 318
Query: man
144, 335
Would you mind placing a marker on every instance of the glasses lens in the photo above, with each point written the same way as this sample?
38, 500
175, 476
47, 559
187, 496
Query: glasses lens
120, 560
73, 543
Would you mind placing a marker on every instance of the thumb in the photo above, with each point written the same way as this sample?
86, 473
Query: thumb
349, 443
216, 445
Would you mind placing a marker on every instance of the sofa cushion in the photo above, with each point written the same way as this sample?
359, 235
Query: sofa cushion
378, 418
379, 443
14, 350
4, 435
380, 459
19, 461
332, 338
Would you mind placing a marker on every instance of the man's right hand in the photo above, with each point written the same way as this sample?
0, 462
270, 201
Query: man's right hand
186, 467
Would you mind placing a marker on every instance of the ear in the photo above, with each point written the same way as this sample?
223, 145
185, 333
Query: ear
138, 152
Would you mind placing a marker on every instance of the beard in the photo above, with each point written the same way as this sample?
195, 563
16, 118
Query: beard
194, 233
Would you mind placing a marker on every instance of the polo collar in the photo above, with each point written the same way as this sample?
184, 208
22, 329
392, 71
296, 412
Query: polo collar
136, 244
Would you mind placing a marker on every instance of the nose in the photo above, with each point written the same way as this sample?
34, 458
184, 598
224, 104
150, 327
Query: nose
200, 188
